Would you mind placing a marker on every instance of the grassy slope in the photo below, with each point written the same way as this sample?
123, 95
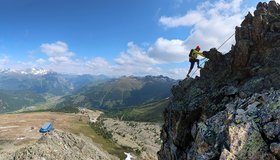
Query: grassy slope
82, 127
15, 100
48, 105
112, 93
151, 112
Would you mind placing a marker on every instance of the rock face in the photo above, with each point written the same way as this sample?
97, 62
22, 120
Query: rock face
60, 145
232, 111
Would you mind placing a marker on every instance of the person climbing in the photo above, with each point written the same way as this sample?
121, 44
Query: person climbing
193, 58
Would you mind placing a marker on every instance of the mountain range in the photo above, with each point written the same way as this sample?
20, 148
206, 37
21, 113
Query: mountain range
44, 82
29, 88
121, 93
24, 88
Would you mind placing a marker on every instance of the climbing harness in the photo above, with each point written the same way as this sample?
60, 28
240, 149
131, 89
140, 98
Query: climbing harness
204, 59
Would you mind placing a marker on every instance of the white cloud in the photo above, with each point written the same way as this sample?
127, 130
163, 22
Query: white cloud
60, 59
135, 70
168, 51
177, 73
22, 65
97, 62
189, 19
98, 65
135, 56
72, 68
278, 1
57, 52
40, 61
135, 61
4, 60
212, 23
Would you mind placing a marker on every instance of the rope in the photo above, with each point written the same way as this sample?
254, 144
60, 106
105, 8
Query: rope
204, 59
226, 41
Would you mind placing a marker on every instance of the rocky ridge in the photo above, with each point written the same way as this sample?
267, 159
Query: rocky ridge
232, 110
59, 145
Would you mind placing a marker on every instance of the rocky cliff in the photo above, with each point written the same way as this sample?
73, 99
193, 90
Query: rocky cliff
232, 111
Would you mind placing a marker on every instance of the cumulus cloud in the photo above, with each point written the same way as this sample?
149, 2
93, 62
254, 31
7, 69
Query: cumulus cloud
135, 56
168, 51
212, 23
61, 59
57, 52
135, 61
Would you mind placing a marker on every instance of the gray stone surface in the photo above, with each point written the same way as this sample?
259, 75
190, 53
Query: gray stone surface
59, 145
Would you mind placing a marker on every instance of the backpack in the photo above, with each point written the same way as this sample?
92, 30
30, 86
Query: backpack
191, 53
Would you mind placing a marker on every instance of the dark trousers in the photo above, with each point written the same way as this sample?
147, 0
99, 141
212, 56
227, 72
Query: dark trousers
192, 61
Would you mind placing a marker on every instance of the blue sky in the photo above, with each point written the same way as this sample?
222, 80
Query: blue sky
125, 37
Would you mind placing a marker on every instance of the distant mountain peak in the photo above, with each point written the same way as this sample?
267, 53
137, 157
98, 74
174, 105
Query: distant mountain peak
31, 71
37, 71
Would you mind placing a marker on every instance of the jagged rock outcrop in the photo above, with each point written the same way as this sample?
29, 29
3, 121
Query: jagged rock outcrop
60, 145
232, 110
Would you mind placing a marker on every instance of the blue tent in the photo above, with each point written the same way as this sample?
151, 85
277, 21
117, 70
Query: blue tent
47, 127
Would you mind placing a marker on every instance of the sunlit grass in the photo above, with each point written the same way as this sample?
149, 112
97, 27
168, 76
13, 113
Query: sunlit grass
151, 112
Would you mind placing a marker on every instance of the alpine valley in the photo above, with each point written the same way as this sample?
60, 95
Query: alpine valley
39, 89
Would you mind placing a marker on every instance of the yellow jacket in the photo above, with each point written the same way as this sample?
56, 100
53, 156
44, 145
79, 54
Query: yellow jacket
195, 53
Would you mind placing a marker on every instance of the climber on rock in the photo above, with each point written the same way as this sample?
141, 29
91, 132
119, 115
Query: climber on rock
193, 58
